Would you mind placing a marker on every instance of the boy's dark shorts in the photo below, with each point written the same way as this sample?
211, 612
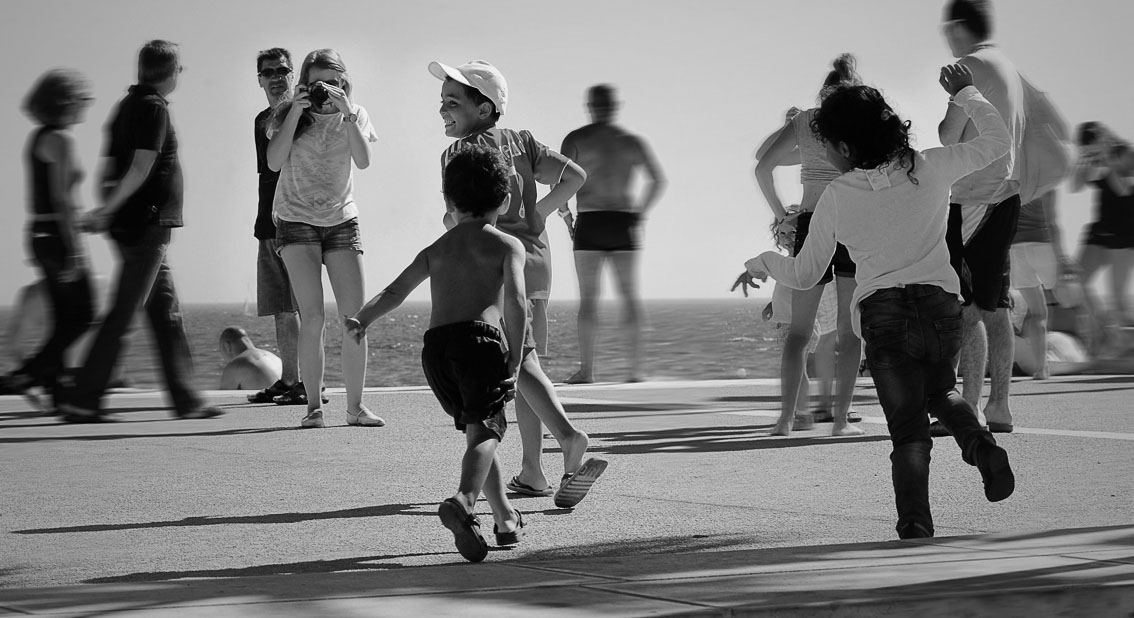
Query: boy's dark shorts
983, 264
841, 263
464, 363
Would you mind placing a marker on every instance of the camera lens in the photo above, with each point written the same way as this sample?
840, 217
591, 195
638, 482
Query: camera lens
318, 94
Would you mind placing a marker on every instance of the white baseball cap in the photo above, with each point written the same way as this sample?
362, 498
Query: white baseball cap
478, 74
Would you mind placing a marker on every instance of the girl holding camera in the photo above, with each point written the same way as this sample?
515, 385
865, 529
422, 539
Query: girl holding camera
314, 138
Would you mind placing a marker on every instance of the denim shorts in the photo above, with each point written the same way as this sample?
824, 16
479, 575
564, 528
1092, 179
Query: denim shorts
330, 238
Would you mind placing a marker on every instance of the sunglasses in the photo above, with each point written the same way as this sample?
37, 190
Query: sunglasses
270, 72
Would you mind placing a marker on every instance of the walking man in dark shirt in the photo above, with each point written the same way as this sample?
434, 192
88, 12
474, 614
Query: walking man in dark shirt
276, 77
141, 203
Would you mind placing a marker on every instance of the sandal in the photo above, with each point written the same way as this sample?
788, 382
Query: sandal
575, 486
515, 485
465, 527
513, 537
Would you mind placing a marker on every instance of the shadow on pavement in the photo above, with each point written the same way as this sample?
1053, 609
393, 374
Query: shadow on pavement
384, 510
684, 569
1077, 391
575, 407
864, 398
711, 440
361, 563
124, 436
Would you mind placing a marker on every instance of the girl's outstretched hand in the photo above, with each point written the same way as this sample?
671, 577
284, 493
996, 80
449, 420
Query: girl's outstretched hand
745, 280
954, 77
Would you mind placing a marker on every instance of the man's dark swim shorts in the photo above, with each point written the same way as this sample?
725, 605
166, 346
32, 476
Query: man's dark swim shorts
464, 363
607, 230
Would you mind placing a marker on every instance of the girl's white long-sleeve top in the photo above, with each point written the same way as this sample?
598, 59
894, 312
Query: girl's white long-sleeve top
893, 227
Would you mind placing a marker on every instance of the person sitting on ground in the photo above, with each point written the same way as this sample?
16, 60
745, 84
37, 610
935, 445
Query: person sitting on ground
889, 208
477, 284
246, 366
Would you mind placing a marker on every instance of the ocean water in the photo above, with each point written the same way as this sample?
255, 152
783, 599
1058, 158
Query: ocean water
683, 339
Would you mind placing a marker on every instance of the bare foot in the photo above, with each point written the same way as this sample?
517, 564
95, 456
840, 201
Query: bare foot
1041, 375
574, 449
843, 428
581, 377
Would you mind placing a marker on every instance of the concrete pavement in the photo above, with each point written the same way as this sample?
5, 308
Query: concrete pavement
700, 513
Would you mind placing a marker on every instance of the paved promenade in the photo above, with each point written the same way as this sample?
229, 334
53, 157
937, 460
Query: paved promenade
701, 513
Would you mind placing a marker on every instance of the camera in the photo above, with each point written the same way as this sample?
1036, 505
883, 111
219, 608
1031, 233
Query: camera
318, 94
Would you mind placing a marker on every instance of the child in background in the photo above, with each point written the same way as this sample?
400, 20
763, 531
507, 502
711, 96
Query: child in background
476, 277
473, 98
889, 208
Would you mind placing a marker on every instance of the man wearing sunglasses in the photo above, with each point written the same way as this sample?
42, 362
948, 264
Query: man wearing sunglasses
273, 288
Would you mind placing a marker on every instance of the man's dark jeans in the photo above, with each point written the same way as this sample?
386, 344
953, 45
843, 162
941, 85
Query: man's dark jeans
143, 278
912, 334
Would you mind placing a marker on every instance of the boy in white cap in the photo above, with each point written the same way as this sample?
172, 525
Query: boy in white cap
473, 98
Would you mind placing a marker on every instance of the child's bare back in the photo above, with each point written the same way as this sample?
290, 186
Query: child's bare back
471, 268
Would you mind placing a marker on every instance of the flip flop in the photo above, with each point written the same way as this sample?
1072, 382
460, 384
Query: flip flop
504, 539
575, 486
523, 488
465, 527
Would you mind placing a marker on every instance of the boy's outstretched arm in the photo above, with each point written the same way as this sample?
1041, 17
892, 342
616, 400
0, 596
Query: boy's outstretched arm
514, 305
388, 299
569, 184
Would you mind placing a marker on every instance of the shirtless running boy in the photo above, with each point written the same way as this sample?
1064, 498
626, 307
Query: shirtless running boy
476, 277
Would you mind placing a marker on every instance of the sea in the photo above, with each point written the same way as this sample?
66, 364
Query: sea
714, 339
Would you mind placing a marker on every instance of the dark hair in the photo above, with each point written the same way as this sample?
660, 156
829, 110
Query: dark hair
476, 180
859, 117
1119, 149
318, 59
157, 61
477, 97
275, 53
842, 73
1088, 133
974, 15
55, 94
601, 94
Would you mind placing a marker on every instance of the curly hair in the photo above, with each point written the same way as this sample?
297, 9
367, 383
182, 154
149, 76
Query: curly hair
859, 117
476, 180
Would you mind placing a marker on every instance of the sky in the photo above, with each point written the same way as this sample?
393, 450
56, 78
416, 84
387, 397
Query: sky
702, 81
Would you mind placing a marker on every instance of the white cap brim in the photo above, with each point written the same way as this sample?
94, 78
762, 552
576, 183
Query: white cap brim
441, 71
